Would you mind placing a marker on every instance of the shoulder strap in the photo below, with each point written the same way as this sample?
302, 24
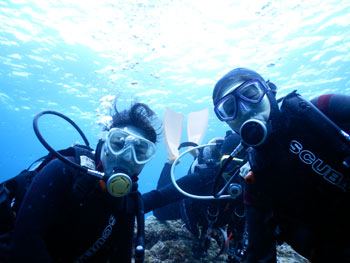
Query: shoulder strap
85, 156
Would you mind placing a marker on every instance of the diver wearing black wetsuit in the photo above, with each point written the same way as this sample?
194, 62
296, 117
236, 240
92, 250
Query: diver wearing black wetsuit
301, 192
298, 187
168, 203
87, 215
165, 200
56, 224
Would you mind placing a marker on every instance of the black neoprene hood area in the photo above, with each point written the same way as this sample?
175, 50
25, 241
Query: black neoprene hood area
232, 77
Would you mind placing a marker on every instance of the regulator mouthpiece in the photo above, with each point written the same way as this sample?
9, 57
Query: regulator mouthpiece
119, 185
253, 132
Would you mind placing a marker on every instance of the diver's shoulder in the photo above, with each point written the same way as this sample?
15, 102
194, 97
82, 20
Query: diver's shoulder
58, 168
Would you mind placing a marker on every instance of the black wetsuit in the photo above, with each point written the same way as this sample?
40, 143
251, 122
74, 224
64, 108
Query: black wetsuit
61, 220
168, 203
297, 196
165, 199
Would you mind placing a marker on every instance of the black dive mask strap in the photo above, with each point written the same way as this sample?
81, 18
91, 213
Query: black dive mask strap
140, 237
187, 144
275, 111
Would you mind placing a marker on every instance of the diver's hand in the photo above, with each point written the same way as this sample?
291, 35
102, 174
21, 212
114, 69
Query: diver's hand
244, 170
247, 174
171, 160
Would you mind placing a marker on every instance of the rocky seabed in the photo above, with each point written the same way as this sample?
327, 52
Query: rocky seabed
171, 242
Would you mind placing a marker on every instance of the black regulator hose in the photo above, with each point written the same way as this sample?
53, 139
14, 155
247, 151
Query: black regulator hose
49, 148
219, 175
140, 238
217, 193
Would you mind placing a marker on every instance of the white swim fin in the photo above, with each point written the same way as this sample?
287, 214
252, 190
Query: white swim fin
172, 128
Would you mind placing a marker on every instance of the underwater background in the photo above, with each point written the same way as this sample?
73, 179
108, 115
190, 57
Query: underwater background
74, 57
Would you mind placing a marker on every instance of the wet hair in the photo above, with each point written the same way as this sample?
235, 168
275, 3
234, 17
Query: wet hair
140, 116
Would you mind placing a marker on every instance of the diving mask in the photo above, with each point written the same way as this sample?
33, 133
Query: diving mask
246, 95
119, 141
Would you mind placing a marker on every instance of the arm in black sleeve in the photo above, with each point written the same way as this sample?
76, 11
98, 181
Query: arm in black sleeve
38, 211
168, 193
164, 178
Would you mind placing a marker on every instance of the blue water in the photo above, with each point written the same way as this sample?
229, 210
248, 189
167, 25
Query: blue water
72, 56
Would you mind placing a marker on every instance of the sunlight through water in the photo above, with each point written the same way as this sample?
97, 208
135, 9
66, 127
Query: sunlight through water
75, 57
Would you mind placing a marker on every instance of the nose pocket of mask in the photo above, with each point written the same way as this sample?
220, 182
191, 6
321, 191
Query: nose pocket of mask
129, 146
127, 155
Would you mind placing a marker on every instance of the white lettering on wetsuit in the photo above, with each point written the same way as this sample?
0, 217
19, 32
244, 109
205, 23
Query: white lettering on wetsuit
319, 166
99, 242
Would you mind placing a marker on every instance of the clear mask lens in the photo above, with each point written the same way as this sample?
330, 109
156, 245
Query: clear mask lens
251, 91
229, 107
119, 141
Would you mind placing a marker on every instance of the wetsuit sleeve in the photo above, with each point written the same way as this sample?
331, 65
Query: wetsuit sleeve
39, 209
164, 178
168, 193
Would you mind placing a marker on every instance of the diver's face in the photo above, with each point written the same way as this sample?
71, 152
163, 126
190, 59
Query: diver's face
260, 111
243, 101
125, 160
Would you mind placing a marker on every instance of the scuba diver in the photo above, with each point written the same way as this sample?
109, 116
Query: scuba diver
68, 215
297, 189
221, 220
